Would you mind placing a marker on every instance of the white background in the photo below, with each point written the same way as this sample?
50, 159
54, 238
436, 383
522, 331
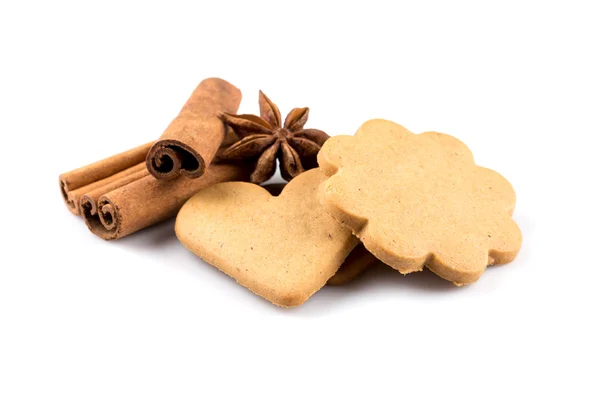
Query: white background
141, 318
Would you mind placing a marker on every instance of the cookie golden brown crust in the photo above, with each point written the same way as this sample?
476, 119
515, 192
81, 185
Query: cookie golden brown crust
357, 262
419, 200
282, 248
354, 265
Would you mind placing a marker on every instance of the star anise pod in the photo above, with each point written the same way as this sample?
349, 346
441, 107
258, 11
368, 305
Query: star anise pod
266, 140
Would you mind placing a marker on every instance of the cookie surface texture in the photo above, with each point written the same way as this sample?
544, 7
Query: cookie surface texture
419, 200
357, 262
282, 248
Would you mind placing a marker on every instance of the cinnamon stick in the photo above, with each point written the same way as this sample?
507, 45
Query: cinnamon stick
92, 196
192, 139
126, 207
81, 180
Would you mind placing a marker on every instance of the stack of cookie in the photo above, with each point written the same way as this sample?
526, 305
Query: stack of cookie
383, 195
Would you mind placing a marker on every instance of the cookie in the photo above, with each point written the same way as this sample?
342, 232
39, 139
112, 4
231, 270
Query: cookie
282, 248
357, 262
419, 200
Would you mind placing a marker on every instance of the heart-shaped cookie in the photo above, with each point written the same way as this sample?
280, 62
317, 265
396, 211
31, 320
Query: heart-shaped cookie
357, 262
282, 248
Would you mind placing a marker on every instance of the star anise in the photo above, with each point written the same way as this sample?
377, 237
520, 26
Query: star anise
266, 140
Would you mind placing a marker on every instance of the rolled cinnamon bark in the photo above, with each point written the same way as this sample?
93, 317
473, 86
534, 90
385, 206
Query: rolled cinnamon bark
91, 197
147, 201
82, 180
192, 139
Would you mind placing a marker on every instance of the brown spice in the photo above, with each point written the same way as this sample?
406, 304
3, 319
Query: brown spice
75, 183
134, 199
265, 140
192, 139
123, 209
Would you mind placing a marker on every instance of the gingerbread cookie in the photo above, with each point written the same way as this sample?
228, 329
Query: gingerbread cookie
282, 248
357, 262
419, 200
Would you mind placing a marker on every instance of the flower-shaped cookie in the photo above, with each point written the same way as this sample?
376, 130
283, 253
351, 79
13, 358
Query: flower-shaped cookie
419, 200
